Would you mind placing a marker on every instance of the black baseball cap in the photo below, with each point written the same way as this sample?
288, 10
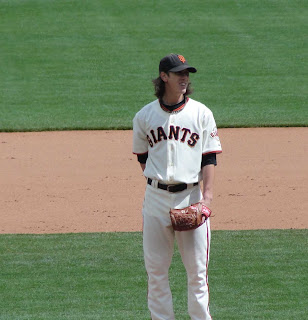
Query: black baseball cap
174, 63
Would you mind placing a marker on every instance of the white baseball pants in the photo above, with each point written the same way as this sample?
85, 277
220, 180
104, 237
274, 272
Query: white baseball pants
158, 245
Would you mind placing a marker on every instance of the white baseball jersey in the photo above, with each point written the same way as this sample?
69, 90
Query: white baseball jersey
175, 141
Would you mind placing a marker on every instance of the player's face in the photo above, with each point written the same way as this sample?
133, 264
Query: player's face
177, 82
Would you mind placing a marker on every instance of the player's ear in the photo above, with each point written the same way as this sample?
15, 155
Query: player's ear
164, 76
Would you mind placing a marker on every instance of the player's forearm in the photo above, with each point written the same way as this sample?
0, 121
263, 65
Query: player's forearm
208, 174
142, 165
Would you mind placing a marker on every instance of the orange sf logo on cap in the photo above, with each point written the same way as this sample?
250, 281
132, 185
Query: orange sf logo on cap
181, 58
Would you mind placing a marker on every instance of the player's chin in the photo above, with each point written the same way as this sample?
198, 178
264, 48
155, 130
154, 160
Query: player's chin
183, 90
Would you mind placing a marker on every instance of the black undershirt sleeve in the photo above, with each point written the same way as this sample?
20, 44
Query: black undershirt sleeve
142, 158
209, 158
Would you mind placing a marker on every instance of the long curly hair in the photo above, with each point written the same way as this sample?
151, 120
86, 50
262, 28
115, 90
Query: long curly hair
159, 88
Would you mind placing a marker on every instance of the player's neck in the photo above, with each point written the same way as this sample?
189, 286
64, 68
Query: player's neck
171, 100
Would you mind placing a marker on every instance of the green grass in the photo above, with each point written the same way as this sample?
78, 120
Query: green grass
88, 64
253, 275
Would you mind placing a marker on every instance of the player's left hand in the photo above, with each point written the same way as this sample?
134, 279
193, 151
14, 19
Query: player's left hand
206, 203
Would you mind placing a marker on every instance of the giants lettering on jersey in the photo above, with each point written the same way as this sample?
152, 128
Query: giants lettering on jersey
177, 133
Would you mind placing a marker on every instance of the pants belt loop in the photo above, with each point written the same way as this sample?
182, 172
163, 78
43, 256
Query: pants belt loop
154, 183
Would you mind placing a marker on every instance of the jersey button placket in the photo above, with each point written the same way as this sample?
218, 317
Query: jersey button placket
171, 149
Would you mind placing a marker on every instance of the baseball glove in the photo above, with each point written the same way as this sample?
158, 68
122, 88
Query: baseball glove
190, 217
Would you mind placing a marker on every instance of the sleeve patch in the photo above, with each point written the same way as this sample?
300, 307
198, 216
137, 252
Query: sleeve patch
214, 134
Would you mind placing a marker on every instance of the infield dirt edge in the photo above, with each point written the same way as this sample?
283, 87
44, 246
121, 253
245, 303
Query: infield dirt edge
89, 181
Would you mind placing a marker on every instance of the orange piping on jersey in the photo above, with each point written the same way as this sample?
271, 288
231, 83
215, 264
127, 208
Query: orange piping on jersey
217, 151
175, 110
140, 153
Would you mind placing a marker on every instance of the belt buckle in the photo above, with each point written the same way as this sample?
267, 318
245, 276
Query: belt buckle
169, 187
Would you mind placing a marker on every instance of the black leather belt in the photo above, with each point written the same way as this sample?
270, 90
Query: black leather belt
172, 187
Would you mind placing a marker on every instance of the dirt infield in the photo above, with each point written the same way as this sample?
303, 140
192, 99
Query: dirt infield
89, 181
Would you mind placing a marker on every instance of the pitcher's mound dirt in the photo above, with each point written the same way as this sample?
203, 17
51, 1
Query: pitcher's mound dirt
89, 181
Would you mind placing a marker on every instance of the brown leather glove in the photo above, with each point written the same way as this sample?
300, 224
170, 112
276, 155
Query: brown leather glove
190, 217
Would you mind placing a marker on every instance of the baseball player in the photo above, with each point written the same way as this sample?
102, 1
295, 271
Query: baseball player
175, 139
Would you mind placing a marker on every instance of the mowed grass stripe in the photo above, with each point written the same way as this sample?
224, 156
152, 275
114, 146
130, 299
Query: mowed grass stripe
253, 275
89, 64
